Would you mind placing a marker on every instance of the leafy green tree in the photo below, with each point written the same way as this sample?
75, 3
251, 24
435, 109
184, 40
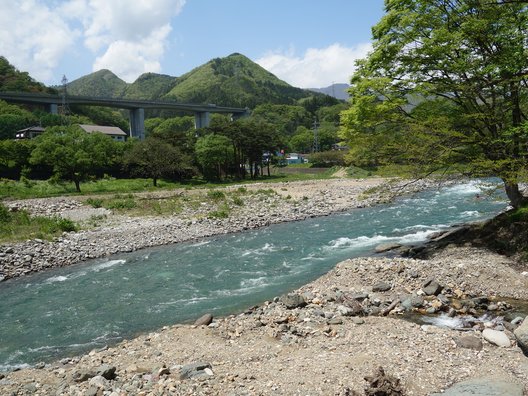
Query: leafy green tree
12, 119
74, 154
445, 84
155, 158
284, 118
214, 153
302, 141
178, 131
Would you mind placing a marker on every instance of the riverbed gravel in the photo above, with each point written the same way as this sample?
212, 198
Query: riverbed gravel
322, 339
106, 232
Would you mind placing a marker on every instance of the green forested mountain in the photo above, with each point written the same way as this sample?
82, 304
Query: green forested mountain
149, 86
231, 81
101, 83
13, 80
234, 81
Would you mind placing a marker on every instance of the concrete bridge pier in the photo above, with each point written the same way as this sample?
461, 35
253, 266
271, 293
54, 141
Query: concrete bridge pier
54, 108
137, 123
201, 119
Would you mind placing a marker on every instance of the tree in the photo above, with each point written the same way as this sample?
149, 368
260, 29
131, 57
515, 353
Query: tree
74, 154
155, 158
214, 153
445, 84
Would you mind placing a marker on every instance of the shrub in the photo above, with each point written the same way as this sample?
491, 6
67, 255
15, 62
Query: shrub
216, 195
5, 215
327, 159
95, 202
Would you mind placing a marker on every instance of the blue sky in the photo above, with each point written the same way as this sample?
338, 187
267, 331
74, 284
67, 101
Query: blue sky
308, 43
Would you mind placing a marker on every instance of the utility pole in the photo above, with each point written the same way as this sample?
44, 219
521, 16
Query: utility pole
64, 108
315, 147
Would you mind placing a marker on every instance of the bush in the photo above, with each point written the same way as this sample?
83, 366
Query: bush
5, 215
327, 159
95, 202
216, 195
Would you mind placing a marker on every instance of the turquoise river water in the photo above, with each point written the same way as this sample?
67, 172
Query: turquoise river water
67, 311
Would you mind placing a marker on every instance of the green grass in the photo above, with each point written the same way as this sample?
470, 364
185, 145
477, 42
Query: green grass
20, 226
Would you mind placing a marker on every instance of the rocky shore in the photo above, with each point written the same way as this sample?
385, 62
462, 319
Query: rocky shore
263, 204
326, 337
449, 324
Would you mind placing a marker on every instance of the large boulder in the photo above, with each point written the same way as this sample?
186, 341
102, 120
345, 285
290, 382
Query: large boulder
293, 300
521, 334
483, 387
496, 337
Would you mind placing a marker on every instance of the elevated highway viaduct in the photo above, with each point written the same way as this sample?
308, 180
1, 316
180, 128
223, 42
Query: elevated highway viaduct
136, 108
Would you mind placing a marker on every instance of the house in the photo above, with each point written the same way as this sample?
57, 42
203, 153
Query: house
115, 133
29, 133
294, 158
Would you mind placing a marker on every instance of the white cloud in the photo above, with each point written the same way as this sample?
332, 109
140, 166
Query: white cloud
33, 37
129, 59
128, 37
318, 67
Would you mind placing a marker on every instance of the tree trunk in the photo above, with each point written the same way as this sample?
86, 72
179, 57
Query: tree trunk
514, 194
77, 185
155, 181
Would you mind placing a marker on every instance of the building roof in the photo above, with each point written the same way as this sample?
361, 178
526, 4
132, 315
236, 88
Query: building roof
31, 129
107, 130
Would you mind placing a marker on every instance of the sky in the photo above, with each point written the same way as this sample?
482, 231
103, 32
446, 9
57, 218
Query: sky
307, 43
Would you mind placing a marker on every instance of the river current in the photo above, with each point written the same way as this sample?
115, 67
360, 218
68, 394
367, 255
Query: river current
67, 311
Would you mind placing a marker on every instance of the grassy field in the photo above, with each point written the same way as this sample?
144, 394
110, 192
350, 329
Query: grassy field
19, 226
41, 188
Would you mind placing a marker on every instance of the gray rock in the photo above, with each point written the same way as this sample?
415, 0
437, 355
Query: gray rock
496, 337
93, 391
381, 287
98, 382
413, 301
483, 387
521, 335
432, 288
357, 321
106, 371
469, 342
386, 247
195, 370
83, 375
293, 300
204, 320
335, 321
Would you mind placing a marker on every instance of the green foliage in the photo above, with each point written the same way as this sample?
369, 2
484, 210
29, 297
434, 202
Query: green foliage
215, 195
121, 203
214, 153
445, 84
155, 158
285, 118
13, 118
233, 81
74, 154
221, 213
5, 215
95, 202
102, 83
327, 159
150, 86
13, 80
21, 226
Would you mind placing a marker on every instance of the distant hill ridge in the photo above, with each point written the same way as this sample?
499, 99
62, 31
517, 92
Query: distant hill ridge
234, 80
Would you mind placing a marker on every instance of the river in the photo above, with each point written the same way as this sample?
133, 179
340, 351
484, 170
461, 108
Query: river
68, 311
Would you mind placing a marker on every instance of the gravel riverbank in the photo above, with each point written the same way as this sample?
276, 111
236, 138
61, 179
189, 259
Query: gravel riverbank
322, 339
109, 232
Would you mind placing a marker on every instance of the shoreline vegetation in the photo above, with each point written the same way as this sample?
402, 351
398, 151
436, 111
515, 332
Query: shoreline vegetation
323, 338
